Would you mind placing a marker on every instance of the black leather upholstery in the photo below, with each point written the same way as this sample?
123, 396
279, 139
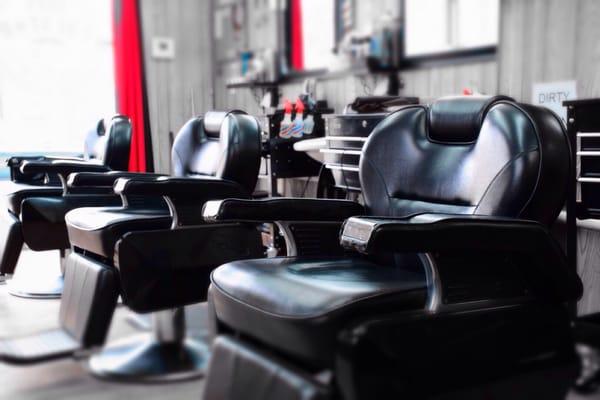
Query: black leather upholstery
298, 305
487, 156
281, 209
17, 192
269, 377
403, 171
458, 120
228, 163
41, 225
224, 150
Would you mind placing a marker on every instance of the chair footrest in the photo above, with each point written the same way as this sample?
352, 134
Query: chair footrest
39, 347
240, 371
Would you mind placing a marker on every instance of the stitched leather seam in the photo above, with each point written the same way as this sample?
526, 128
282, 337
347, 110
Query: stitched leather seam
504, 168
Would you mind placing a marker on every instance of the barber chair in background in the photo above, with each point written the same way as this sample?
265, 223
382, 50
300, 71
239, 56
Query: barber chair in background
38, 197
450, 284
157, 260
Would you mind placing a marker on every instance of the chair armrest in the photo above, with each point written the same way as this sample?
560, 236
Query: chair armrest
61, 167
191, 188
14, 165
281, 209
545, 260
105, 179
184, 196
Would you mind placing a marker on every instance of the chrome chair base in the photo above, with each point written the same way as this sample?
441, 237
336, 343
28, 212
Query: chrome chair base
146, 359
31, 289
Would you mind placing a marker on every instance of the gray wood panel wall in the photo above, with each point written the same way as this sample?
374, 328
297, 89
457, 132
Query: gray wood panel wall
180, 88
555, 40
549, 40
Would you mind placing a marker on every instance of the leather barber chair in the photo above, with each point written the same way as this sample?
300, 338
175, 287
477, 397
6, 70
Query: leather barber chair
450, 279
154, 259
36, 206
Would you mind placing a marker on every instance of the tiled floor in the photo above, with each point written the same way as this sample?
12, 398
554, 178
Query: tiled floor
68, 379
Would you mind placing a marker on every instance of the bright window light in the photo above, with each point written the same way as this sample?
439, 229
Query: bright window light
56, 73
438, 26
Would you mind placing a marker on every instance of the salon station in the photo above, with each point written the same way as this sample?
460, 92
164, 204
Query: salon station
300, 199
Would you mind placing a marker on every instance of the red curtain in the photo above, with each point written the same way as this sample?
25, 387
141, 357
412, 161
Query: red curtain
297, 50
129, 79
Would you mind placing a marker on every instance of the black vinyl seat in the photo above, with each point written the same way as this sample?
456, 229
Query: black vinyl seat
155, 258
22, 186
37, 197
301, 304
216, 146
127, 252
451, 188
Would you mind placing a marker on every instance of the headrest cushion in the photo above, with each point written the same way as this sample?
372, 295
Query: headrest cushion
213, 120
458, 119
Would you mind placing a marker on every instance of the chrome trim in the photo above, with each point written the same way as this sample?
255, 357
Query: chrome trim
168, 326
588, 180
124, 201
434, 283
345, 138
340, 151
588, 134
341, 167
63, 183
288, 236
584, 153
172, 212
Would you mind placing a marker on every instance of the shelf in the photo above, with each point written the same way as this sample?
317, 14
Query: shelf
345, 139
341, 167
340, 151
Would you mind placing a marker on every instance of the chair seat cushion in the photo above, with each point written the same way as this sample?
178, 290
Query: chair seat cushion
97, 229
43, 218
15, 193
299, 305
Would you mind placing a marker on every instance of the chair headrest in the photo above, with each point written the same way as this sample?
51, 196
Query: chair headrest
458, 119
213, 120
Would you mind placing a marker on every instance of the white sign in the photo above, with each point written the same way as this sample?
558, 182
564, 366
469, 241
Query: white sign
552, 95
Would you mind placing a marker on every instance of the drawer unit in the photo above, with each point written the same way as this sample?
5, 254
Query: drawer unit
583, 125
345, 135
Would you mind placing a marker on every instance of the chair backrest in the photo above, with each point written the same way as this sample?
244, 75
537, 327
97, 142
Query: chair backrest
110, 143
467, 155
224, 145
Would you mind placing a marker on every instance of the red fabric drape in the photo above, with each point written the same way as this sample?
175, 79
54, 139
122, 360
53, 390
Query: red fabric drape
297, 50
129, 76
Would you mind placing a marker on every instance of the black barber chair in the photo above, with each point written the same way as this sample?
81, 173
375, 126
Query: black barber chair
449, 283
36, 206
122, 251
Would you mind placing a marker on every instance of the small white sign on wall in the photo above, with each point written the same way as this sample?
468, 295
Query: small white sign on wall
552, 95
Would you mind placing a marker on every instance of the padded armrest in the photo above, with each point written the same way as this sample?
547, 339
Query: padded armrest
15, 161
105, 179
14, 165
61, 167
180, 188
468, 233
281, 209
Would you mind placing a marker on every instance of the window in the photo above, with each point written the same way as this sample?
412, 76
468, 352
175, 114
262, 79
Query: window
317, 21
56, 73
444, 26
